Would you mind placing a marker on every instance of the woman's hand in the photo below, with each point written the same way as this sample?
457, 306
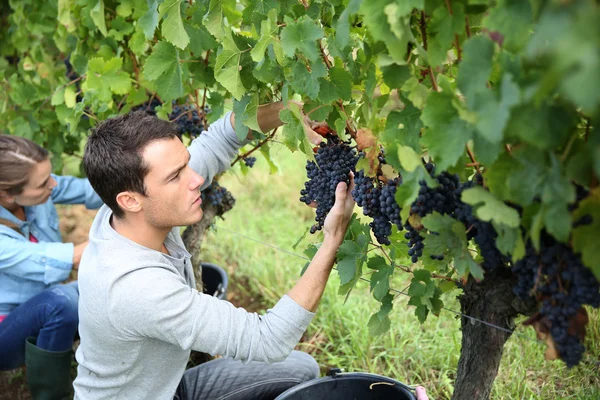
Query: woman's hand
77, 252
336, 222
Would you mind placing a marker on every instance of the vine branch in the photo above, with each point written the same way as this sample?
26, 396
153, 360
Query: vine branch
423, 27
258, 146
458, 50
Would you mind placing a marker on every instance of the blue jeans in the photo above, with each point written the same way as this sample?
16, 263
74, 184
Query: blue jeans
227, 379
50, 315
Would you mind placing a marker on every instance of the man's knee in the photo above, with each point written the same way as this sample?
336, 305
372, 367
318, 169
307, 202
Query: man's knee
304, 367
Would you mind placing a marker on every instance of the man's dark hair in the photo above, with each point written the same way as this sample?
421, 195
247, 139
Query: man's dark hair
113, 154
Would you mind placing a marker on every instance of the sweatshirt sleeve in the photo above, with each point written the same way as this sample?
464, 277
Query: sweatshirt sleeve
160, 305
45, 262
212, 152
71, 190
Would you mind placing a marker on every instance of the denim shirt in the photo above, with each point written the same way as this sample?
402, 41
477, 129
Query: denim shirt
27, 268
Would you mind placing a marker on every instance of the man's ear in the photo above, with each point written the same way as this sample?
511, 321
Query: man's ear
129, 201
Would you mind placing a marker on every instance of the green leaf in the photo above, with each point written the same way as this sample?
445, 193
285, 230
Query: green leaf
342, 80
228, 66
492, 113
213, 20
172, 25
416, 92
97, 14
70, 97
492, 209
342, 34
585, 237
163, 63
58, 97
446, 135
408, 158
379, 323
385, 22
513, 19
395, 75
149, 21
475, 67
106, 78
307, 82
301, 36
268, 36
347, 269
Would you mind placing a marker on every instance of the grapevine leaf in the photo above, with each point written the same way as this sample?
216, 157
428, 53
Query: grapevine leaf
213, 20
70, 97
447, 134
308, 82
585, 237
228, 66
379, 323
294, 136
408, 158
492, 209
416, 92
58, 97
239, 107
512, 19
107, 77
268, 30
347, 269
380, 280
97, 14
172, 25
475, 67
493, 114
342, 34
377, 16
301, 36
163, 63
342, 81
149, 21
395, 75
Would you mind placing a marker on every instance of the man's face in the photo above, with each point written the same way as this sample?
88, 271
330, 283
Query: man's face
172, 187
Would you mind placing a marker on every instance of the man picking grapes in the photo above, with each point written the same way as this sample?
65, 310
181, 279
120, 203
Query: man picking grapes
140, 314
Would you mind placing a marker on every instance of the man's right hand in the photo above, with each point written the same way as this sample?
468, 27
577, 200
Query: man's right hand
336, 222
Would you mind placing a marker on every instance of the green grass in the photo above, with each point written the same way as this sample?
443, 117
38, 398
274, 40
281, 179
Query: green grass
268, 210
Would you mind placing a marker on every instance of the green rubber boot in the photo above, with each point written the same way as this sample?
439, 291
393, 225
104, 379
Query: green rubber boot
48, 372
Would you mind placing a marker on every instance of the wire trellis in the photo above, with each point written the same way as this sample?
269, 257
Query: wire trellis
472, 319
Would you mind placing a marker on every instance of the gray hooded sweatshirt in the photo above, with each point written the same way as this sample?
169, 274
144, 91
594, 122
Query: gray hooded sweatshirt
140, 314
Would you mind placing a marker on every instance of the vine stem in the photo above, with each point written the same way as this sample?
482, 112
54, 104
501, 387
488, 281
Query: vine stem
339, 102
458, 50
258, 146
305, 4
204, 121
467, 26
474, 164
423, 26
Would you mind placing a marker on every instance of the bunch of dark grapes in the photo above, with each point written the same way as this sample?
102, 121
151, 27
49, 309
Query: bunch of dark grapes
219, 197
556, 276
148, 106
441, 199
387, 202
249, 161
366, 193
334, 161
187, 119
415, 242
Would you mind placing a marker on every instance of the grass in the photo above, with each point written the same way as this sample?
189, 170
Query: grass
268, 210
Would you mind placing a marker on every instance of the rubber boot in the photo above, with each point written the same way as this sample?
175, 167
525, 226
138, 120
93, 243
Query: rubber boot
48, 372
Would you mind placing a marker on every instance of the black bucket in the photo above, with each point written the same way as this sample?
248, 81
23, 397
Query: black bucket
215, 280
349, 386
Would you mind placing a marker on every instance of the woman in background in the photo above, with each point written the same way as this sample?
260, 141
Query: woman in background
38, 314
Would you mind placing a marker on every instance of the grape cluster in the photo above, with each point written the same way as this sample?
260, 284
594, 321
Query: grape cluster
148, 106
442, 198
556, 276
249, 161
187, 119
333, 162
219, 197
